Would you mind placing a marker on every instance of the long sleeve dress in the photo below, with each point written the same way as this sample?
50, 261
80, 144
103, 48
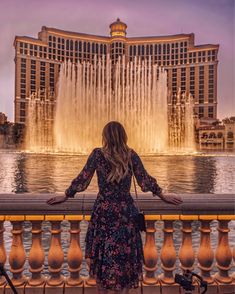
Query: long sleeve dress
113, 242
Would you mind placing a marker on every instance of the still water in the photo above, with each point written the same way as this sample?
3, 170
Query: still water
198, 173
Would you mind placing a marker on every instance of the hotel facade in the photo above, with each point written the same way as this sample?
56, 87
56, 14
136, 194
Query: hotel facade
191, 68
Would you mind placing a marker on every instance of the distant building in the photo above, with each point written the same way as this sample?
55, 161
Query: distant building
229, 136
191, 68
218, 136
3, 118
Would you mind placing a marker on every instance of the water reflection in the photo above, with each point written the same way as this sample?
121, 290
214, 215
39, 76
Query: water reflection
205, 174
48, 173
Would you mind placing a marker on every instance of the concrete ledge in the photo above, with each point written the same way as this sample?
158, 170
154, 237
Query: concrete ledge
24, 204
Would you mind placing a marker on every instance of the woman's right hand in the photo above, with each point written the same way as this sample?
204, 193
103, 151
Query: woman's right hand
57, 200
171, 198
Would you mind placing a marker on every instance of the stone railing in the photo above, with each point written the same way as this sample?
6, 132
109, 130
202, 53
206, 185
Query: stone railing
160, 264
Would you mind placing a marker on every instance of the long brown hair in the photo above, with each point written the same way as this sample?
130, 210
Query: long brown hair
115, 150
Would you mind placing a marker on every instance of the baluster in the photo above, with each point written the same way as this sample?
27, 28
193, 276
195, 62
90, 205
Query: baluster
74, 253
234, 261
17, 254
36, 254
2, 249
91, 279
168, 254
223, 253
186, 253
205, 254
55, 254
150, 253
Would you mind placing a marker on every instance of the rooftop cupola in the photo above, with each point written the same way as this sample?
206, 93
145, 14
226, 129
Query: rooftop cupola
118, 28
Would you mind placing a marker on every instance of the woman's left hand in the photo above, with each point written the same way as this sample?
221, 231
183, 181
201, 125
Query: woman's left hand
171, 198
57, 200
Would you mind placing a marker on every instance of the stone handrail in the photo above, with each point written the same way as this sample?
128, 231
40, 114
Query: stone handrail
204, 208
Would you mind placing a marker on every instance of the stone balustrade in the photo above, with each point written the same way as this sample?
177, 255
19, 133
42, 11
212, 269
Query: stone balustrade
58, 269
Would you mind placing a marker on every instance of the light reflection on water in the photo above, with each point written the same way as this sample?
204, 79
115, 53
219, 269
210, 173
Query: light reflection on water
199, 173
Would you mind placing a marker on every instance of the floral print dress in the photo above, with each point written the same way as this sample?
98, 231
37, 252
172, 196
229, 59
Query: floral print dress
113, 242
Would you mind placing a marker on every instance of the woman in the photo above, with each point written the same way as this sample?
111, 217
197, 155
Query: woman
113, 242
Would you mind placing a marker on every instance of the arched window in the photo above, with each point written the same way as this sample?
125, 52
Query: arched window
230, 135
143, 50
147, 50
212, 135
220, 135
67, 44
71, 44
134, 50
204, 135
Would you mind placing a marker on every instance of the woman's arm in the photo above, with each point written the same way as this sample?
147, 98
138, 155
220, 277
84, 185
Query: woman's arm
148, 183
81, 182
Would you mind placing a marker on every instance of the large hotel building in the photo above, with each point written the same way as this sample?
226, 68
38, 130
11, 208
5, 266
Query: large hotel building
191, 68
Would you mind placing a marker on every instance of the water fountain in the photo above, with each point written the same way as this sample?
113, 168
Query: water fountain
181, 122
40, 113
91, 94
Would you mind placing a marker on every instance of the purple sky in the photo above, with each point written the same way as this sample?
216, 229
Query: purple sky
212, 21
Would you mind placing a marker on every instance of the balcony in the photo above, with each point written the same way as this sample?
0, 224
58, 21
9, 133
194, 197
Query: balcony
58, 269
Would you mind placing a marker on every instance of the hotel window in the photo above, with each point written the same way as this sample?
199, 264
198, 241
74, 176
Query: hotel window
42, 75
93, 48
52, 82
67, 44
209, 55
213, 55
201, 111
22, 105
22, 113
50, 38
143, 50
210, 111
192, 81
183, 79
151, 49
147, 50
134, 50
159, 48
174, 80
45, 52
80, 46
71, 45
